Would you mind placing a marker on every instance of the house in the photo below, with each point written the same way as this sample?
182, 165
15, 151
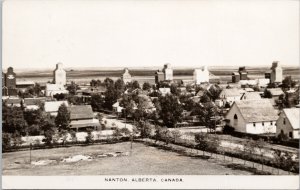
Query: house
52, 89
275, 92
230, 95
262, 83
13, 102
33, 103
165, 91
117, 108
251, 96
24, 85
288, 123
253, 116
51, 107
82, 116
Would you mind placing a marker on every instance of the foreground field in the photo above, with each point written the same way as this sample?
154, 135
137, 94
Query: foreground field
144, 160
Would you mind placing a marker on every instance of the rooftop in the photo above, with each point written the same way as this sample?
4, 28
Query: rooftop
293, 116
81, 112
257, 110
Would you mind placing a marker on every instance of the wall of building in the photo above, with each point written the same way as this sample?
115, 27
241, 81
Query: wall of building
261, 127
238, 124
286, 128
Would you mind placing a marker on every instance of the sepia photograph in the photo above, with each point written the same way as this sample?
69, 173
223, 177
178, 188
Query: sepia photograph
150, 94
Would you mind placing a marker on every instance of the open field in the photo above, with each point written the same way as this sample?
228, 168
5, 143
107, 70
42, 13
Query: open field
144, 160
143, 75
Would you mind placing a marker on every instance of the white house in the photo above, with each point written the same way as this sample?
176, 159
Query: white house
52, 107
288, 123
52, 89
201, 75
230, 95
253, 116
60, 76
165, 91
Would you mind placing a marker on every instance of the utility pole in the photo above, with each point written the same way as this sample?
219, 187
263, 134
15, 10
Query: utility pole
30, 147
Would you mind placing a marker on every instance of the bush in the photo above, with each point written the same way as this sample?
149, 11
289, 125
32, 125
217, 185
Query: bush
228, 129
89, 137
6, 141
34, 130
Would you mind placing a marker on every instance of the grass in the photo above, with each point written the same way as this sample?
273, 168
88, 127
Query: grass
144, 160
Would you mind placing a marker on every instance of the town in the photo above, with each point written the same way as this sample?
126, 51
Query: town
248, 123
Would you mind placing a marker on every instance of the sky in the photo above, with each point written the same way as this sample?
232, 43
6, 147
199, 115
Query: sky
149, 33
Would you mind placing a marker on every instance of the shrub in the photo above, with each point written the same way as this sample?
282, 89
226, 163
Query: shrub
6, 141
89, 137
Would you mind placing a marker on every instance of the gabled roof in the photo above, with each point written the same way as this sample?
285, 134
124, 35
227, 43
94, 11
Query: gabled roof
292, 115
275, 91
251, 96
34, 101
13, 101
54, 105
230, 92
81, 112
256, 110
54, 87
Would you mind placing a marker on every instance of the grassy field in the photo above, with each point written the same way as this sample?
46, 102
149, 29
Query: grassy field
145, 160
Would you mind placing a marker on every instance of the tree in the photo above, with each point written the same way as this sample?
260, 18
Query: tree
171, 110
213, 143
146, 129
278, 159
72, 88
135, 84
62, 119
202, 141
146, 86
13, 120
287, 82
267, 94
205, 98
176, 135
108, 82
59, 96
97, 102
6, 141
174, 89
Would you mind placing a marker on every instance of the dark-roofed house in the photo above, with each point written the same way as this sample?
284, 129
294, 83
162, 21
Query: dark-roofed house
33, 103
13, 102
82, 116
288, 123
253, 116
276, 92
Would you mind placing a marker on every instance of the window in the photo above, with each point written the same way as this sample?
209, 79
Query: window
283, 121
271, 123
235, 116
263, 123
290, 134
254, 124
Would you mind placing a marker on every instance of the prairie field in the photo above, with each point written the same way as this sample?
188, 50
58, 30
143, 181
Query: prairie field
144, 160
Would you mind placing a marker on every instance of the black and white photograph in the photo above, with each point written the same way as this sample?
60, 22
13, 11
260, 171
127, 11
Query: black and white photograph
166, 94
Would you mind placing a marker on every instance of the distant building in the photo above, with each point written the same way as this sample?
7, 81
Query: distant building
262, 83
23, 85
288, 123
253, 116
126, 77
235, 77
168, 72
159, 76
60, 76
201, 75
12, 102
165, 91
33, 103
51, 107
275, 92
52, 89
275, 73
82, 116
243, 73
9, 83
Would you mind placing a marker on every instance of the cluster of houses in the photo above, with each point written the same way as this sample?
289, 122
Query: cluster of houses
249, 111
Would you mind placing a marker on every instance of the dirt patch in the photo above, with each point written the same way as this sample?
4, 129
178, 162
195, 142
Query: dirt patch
77, 158
43, 162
